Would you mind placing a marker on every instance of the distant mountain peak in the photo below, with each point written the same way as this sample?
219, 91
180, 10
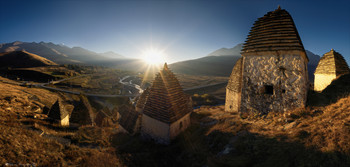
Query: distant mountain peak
234, 51
77, 47
17, 43
111, 54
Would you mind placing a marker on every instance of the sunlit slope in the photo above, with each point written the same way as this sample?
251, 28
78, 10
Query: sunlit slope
23, 59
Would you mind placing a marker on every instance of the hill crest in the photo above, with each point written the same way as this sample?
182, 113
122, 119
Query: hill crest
57, 53
23, 59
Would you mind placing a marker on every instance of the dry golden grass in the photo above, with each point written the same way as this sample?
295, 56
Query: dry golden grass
44, 96
190, 81
316, 136
95, 136
312, 136
6, 80
99, 83
24, 146
27, 59
26, 139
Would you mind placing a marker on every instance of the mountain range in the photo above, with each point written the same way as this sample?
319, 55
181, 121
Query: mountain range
220, 63
217, 63
60, 54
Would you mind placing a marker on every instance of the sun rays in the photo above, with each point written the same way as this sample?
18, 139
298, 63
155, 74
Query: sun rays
153, 60
153, 56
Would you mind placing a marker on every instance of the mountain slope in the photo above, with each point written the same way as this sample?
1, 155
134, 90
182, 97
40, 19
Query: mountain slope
221, 62
111, 54
210, 65
60, 54
218, 63
227, 51
23, 59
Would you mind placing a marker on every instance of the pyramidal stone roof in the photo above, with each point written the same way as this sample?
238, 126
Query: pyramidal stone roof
142, 99
128, 118
58, 111
166, 101
234, 82
103, 118
273, 32
332, 63
82, 114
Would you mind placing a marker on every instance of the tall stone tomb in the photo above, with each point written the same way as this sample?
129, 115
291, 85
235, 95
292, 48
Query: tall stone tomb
272, 73
166, 109
331, 65
59, 114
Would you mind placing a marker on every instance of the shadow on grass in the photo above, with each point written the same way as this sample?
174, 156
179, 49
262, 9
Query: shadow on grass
256, 150
339, 88
50, 124
194, 148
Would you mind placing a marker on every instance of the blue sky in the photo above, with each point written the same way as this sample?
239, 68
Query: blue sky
184, 29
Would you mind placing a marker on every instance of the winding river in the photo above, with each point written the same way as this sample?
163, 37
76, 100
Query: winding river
138, 87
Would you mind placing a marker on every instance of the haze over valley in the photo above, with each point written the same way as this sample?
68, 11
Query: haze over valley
220, 61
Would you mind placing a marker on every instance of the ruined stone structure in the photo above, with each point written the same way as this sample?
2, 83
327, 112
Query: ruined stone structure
140, 104
166, 110
82, 113
234, 88
331, 65
59, 114
272, 73
104, 118
130, 120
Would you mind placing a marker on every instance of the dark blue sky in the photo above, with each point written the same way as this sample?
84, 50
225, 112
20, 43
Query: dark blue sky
185, 29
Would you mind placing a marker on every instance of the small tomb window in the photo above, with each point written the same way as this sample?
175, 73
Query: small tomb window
268, 89
181, 125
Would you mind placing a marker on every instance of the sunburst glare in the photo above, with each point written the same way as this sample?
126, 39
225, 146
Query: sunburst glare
153, 56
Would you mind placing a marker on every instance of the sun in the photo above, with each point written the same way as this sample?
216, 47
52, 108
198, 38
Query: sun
153, 56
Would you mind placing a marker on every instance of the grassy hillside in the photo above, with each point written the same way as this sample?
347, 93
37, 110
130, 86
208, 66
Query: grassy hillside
26, 138
339, 88
318, 135
23, 59
303, 137
210, 65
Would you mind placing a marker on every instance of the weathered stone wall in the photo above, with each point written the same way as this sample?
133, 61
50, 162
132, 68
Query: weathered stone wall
234, 88
65, 121
323, 80
233, 101
286, 73
157, 130
138, 109
180, 125
122, 130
